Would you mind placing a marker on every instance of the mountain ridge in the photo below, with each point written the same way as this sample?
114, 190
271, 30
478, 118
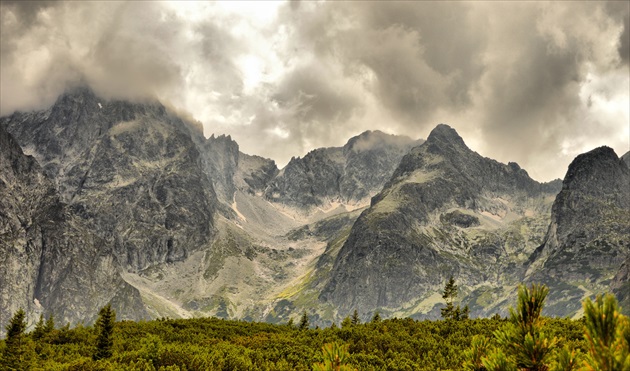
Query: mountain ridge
191, 226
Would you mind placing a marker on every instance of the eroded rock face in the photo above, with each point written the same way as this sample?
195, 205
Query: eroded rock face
348, 174
417, 231
50, 261
220, 159
254, 173
131, 171
589, 235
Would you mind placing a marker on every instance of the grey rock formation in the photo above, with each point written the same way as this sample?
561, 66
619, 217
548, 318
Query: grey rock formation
132, 171
589, 235
414, 234
50, 260
220, 159
254, 173
348, 174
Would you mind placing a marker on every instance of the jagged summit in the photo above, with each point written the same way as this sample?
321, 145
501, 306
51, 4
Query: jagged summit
595, 175
440, 214
444, 134
369, 140
83, 98
594, 179
593, 162
351, 173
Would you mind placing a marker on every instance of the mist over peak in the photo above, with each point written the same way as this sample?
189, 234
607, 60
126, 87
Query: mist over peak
290, 77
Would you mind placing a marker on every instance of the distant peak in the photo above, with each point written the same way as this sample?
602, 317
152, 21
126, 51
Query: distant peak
372, 139
444, 133
77, 92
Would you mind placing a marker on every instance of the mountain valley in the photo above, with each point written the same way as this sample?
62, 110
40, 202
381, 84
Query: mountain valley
113, 201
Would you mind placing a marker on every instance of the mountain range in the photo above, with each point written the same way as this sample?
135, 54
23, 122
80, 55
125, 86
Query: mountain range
108, 201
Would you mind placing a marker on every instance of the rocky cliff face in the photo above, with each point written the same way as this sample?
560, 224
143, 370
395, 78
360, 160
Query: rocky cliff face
220, 158
131, 171
49, 260
254, 173
589, 235
349, 174
445, 211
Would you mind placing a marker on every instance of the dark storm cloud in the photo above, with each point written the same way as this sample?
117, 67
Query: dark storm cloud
423, 55
314, 96
530, 103
511, 72
620, 12
130, 50
524, 81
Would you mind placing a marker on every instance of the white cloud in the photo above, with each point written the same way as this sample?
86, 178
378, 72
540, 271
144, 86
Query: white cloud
521, 82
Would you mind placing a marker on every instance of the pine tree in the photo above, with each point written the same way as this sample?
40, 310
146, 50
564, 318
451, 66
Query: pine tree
40, 328
50, 324
450, 311
105, 328
607, 333
376, 318
347, 322
304, 321
355, 318
450, 292
473, 357
526, 347
567, 359
465, 313
335, 357
19, 351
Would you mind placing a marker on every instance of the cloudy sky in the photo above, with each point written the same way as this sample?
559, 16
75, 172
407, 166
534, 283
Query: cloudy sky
532, 82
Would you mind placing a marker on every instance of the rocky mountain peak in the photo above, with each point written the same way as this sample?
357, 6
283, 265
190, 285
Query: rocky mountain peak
588, 238
351, 173
445, 135
589, 170
84, 101
373, 140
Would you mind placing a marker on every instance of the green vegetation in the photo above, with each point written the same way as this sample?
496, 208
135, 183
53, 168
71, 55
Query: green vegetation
335, 358
18, 351
450, 312
104, 327
527, 341
522, 342
607, 334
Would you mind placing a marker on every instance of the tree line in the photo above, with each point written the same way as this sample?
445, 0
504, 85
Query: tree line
525, 340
